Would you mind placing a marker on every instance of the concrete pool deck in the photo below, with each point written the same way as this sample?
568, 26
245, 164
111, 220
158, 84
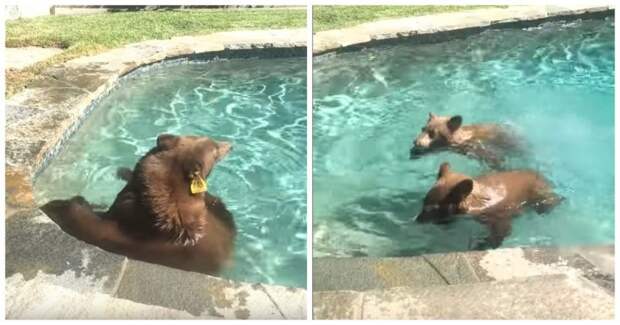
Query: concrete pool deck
420, 26
22, 57
51, 275
513, 283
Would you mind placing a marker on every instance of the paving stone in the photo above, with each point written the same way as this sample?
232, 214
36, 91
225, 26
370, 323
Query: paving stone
198, 294
602, 257
18, 190
542, 297
291, 302
497, 264
569, 259
35, 244
362, 273
337, 305
574, 9
22, 57
45, 297
511, 263
260, 39
453, 267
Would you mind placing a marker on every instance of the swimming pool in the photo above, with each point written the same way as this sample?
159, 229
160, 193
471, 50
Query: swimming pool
256, 103
553, 83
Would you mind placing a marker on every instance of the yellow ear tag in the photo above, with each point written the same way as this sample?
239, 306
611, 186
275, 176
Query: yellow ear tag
198, 185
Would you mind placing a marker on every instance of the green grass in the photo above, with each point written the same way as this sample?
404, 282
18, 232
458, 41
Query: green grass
89, 34
333, 17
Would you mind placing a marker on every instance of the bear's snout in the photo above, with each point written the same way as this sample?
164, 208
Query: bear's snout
423, 218
223, 148
416, 152
422, 141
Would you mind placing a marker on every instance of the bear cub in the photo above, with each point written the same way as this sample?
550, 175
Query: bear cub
489, 143
164, 214
492, 199
166, 193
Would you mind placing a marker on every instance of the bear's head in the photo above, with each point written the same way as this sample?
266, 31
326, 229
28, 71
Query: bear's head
436, 134
445, 198
196, 155
171, 183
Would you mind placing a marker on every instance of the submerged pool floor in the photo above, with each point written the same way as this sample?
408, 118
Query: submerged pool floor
553, 83
257, 104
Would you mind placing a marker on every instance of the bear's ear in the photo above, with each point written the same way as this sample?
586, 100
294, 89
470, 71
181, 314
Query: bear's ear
461, 190
443, 170
167, 141
431, 116
455, 122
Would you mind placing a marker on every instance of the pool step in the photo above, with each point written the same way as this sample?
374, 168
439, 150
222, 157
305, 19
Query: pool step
551, 296
369, 273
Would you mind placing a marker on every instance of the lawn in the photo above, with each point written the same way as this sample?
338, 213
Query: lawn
332, 17
90, 34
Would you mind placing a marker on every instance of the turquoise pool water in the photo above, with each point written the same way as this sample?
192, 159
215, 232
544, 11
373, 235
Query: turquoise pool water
553, 83
258, 104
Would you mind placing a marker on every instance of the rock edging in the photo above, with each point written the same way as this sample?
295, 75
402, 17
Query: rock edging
332, 40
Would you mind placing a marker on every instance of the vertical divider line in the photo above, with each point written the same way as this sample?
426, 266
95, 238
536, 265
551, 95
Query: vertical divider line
309, 159
616, 158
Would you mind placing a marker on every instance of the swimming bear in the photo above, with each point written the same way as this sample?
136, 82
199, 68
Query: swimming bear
487, 142
209, 255
492, 199
166, 193
164, 204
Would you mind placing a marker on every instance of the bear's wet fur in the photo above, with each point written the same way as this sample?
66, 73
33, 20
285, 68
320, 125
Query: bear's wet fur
157, 199
490, 143
492, 199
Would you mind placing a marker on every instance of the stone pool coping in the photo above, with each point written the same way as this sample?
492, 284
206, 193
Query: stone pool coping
52, 275
42, 116
508, 283
430, 25
44, 263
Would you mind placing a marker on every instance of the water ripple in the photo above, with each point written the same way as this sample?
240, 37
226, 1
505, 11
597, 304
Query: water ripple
553, 83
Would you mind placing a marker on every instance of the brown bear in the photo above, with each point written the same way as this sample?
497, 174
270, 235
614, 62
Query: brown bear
164, 204
486, 142
209, 255
492, 199
166, 192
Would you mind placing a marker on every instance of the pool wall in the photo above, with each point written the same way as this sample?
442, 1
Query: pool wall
41, 117
43, 261
441, 27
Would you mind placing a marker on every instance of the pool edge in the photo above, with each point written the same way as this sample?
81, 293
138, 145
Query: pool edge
444, 24
440, 286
